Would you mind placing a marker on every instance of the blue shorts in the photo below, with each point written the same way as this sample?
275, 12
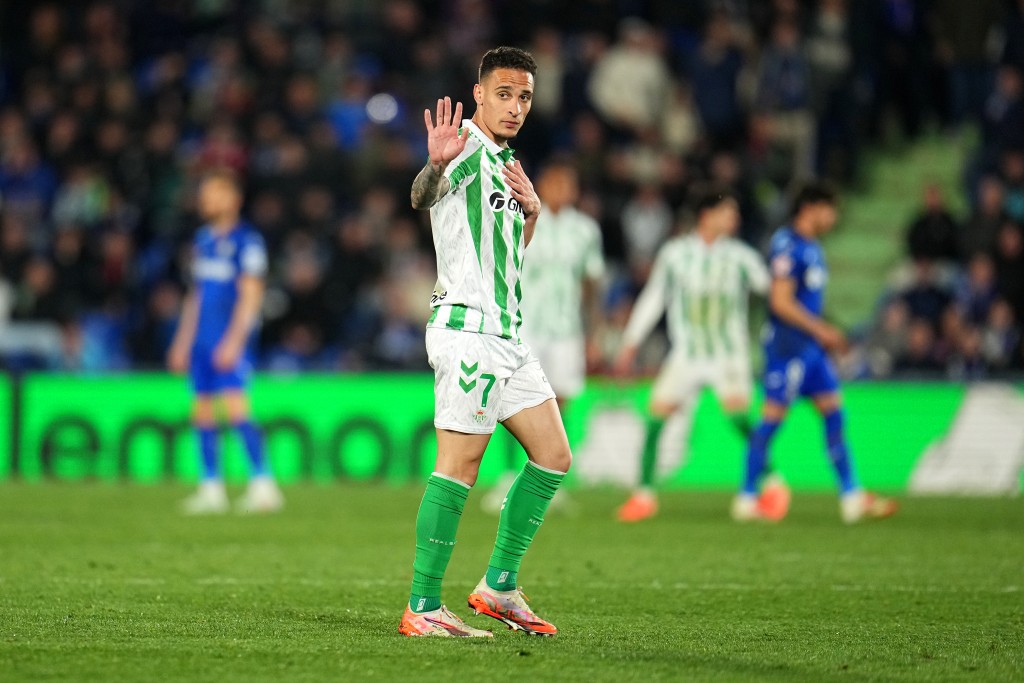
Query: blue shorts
788, 377
207, 379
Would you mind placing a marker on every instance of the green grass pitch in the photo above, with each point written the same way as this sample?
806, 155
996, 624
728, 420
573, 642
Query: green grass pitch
103, 582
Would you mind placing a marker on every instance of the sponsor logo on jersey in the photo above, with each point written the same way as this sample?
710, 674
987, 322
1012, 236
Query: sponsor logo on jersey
497, 201
215, 270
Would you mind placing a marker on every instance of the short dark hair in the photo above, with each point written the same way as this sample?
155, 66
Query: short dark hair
506, 57
710, 197
814, 193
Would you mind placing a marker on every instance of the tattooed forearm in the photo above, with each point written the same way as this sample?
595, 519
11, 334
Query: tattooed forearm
429, 186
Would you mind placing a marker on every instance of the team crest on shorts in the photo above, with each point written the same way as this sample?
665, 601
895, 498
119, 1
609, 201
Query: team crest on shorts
479, 417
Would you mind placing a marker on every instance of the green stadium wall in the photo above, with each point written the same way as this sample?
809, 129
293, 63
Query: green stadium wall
378, 427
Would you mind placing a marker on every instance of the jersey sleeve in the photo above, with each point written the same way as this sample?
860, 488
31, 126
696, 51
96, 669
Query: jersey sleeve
252, 256
593, 258
650, 304
786, 260
754, 271
460, 168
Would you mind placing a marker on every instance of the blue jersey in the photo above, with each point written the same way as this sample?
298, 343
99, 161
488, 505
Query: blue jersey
803, 260
220, 259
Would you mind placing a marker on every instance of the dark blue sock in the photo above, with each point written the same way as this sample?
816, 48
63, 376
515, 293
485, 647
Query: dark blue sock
253, 441
757, 454
838, 452
208, 451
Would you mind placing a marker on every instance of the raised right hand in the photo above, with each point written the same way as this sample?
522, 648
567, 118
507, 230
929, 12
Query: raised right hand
443, 140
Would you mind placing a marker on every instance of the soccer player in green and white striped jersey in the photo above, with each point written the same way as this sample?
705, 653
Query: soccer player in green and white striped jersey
561, 285
702, 280
483, 212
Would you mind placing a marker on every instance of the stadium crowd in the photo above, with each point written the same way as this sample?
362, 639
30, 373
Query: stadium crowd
110, 111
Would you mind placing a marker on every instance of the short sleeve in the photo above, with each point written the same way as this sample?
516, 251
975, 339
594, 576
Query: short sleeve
754, 271
593, 259
252, 258
785, 260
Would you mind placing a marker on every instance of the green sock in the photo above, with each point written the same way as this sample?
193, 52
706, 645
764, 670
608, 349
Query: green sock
649, 459
436, 525
741, 421
521, 516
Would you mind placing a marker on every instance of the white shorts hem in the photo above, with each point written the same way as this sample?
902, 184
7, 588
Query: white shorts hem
462, 429
524, 406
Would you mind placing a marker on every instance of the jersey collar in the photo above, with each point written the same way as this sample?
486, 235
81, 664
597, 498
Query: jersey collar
503, 153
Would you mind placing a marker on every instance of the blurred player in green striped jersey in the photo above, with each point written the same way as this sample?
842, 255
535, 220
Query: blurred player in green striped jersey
561, 295
702, 282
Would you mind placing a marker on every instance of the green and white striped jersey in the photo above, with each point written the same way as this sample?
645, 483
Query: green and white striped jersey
566, 249
705, 290
479, 241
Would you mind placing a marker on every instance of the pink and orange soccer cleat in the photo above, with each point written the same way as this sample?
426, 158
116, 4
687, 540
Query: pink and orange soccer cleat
440, 623
640, 506
773, 503
509, 607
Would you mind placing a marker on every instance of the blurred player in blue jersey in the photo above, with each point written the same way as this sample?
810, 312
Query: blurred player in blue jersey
218, 318
797, 359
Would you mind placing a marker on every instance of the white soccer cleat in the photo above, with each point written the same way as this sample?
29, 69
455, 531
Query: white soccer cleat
209, 499
261, 497
745, 508
859, 505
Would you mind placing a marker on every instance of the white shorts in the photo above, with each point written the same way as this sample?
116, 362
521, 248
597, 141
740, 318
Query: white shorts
481, 380
564, 362
683, 376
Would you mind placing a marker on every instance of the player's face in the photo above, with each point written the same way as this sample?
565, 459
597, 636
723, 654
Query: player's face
729, 218
558, 187
825, 217
503, 100
218, 199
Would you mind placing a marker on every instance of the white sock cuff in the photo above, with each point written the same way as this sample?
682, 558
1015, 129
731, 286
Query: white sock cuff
545, 469
451, 479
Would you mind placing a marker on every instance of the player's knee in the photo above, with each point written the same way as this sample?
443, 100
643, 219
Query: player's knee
559, 459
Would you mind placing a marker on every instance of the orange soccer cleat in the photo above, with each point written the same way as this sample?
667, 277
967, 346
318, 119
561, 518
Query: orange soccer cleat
640, 506
439, 623
773, 503
509, 607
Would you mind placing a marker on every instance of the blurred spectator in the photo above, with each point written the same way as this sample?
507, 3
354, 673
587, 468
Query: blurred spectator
784, 103
964, 32
979, 234
1009, 261
714, 72
37, 298
976, 291
918, 358
968, 361
646, 223
888, 339
1003, 113
27, 184
630, 82
1001, 337
934, 234
926, 297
